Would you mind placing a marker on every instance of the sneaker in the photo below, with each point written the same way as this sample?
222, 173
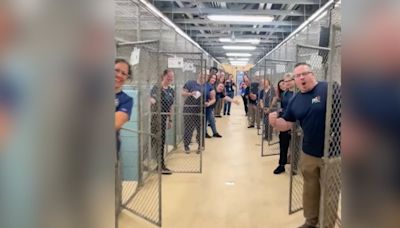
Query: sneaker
166, 171
208, 136
280, 169
187, 149
251, 126
216, 135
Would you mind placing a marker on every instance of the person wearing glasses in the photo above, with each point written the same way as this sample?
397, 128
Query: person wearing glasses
285, 136
123, 110
309, 108
162, 97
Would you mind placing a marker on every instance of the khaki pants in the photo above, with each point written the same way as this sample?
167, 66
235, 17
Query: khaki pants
311, 169
218, 107
254, 115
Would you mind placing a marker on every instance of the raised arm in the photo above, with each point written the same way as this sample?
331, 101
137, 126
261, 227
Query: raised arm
186, 93
228, 99
212, 99
279, 123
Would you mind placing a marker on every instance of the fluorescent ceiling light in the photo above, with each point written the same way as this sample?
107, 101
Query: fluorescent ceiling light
229, 40
239, 59
239, 63
233, 18
239, 47
239, 54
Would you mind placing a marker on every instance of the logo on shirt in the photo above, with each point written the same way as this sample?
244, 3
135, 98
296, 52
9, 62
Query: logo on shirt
316, 100
116, 102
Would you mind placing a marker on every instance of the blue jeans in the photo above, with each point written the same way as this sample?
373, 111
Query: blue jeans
227, 106
210, 120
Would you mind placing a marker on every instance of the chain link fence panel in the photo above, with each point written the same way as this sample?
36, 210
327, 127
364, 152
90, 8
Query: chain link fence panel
275, 70
141, 140
185, 138
317, 58
331, 176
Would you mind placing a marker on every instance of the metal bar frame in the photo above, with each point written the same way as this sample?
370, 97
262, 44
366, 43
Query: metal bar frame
176, 106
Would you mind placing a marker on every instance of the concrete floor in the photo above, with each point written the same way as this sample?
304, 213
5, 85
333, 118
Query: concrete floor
237, 188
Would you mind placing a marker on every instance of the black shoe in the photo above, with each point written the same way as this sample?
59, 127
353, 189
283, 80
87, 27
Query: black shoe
187, 149
216, 135
251, 126
166, 171
305, 225
218, 116
228, 114
280, 169
208, 136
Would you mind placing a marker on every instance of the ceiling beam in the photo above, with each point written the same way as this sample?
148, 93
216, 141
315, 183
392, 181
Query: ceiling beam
206, 21
301, 2
215, 11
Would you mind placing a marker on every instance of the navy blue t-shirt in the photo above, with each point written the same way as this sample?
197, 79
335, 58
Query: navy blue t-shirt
193, 86
310, 110
286, 97
167, 97
229, 86
123, 103
253, 89
208, 88
267, 96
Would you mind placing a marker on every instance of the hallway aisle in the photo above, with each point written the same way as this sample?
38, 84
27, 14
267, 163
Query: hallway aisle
237, 188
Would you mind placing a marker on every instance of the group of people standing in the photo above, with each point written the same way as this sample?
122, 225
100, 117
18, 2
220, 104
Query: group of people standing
202, 96
280, 109
261, 98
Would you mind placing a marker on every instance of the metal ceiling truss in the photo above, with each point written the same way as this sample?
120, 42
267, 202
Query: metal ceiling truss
192, 17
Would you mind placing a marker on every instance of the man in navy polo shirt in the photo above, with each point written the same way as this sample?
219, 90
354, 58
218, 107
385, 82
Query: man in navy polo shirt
309, 108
